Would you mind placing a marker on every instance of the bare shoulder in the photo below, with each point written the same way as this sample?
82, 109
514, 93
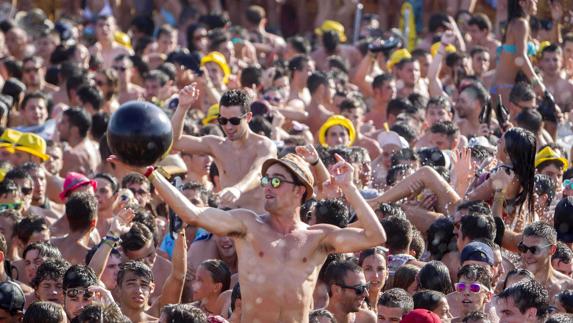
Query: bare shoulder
365, 316
324, 228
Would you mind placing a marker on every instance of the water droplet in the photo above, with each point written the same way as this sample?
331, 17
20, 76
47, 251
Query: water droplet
259, 300
399, 84
519, 61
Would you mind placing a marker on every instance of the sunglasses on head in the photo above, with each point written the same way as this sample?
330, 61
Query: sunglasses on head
75, 292
274, 182
358, 289
235, 121
568, 184
534, 249
473, 287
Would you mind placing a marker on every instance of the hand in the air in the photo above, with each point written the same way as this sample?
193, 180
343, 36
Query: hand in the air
121, 223
342, 172
229, 195
501, 178
308, 153
188, 95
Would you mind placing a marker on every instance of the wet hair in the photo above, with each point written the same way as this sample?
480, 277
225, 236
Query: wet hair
544, 185
563, 253
261, 125
30, 225
92, 251
251, 75
447, 128
370, 252
481, 21
332, 211
397, 298
46, 312
81, 211
79, 276
315, 80
137, 237
476, 316
380, 79
476, 273
399, 105
405, 130
476, 225
405, 276
418, 245
399, 233
529, 119
111, 179
336, 272
440, 237
521, 91
300, 44
520, 146
31, 96
541, 230
427, 299
134, 178
97, 313
560, 318
235, 295
236, 97
440, 101
528, 294
297, 63
517, 272
45, 250
219, 271
330, 41
404, 154
179, 313
139, 268
52, 269
434, 275
316, 315
565, 298
386, 209
80, 119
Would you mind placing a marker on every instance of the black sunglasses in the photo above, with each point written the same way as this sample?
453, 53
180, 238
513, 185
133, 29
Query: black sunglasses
26, 190
235, 121
75, 292
534, 249
358, 289
275, 182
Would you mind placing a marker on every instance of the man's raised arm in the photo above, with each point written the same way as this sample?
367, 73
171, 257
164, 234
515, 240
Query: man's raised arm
354, 239
187, 96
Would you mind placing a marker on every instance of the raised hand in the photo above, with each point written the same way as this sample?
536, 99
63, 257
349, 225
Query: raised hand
229, 195
101, 295
342, 172
188, 95
308, 153
121, 223
463, 167
501, 178
448, 38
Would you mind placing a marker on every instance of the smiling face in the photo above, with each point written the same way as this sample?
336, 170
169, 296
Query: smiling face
283, 196
235, 132
541, 259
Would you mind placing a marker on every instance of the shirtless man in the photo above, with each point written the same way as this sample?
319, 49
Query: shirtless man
279, 256
81, 213
383, 90
300, 68
106, 47
479, 28
348, 290
551, 65
320, 102
354, 111
33, 75
135, 285
238, 157
83, 155
127, 90
538, 244
41, 205
467, 108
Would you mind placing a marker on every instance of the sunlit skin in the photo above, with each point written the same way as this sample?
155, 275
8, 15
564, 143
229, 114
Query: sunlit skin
389, 314
376, 273
337, 136
508, 312
50, 290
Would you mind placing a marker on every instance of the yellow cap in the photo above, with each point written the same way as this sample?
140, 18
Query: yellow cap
542, 46
122, 39
212, 114
436, 46
397, 56
331, 25
9, 138
548, 154
336, 120
32, 144
220, 60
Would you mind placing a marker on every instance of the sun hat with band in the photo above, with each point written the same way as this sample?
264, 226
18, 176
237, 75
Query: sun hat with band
297, 166
548, 154
336, 120
74, 181
332, 25
9, 138
32, 144
219, 59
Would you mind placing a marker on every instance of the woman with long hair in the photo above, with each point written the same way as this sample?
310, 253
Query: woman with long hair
211, 287
513, 54
373, 262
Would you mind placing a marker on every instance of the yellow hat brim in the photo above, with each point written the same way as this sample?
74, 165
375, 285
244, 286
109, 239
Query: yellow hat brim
31, 151
550, 158
336, 122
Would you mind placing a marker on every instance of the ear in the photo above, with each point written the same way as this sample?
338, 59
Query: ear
2, 256
249, 116
531, 313
488, 296
552, 250
151, 288
219, 287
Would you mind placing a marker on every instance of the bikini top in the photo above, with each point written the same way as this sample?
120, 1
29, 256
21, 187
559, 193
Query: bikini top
512, 49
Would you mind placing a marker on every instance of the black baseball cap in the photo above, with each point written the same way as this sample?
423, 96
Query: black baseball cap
11, 297
477, 251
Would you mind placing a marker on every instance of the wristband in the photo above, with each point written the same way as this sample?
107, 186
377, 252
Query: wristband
110, 243
111, 238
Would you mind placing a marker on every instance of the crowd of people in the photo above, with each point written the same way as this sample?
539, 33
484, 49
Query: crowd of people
405, 162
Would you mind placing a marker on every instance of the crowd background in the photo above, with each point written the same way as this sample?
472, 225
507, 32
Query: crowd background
453, 119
